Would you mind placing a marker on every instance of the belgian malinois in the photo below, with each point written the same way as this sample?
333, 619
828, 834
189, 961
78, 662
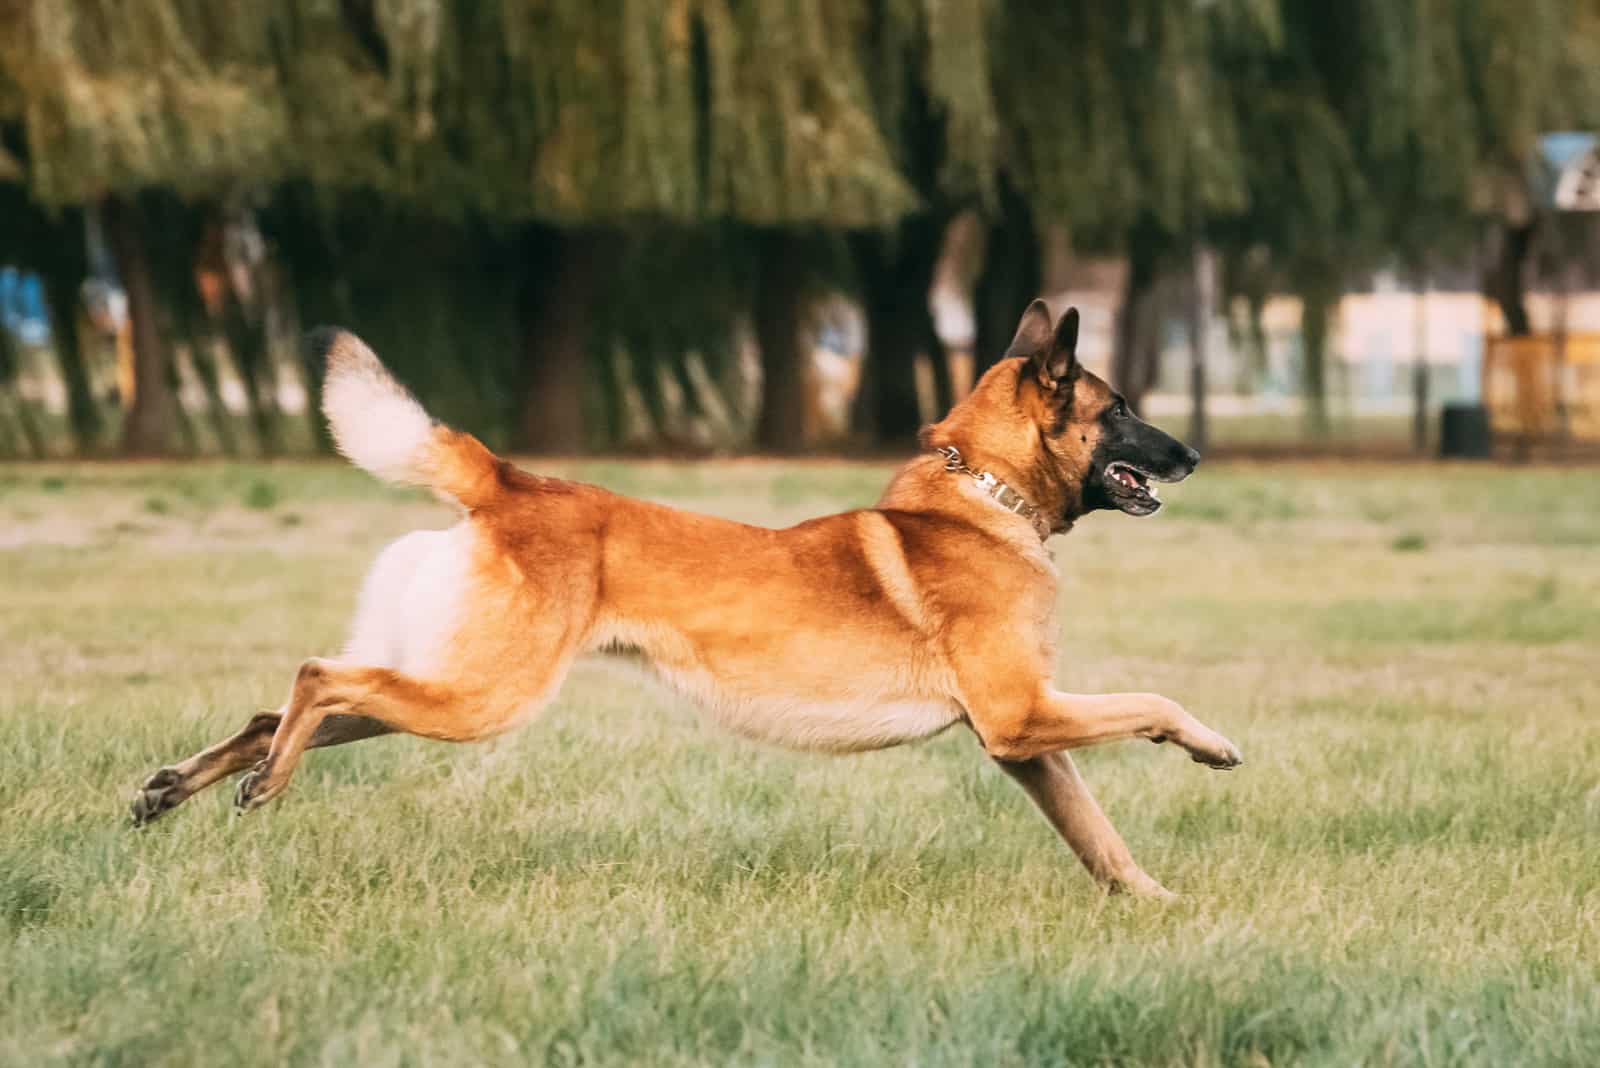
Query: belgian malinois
854, 631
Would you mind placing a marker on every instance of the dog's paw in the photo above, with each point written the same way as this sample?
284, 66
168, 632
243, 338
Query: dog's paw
1213, 750
160, 793
1141, 886
254, 789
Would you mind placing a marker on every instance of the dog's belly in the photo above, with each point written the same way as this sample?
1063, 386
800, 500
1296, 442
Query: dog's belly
816, 721
835, 726
833, 692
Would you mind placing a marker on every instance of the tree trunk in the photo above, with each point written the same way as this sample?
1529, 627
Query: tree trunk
316, 284
188, 437
779, 315
148, 429
27, 425
1508, 279
1010, 279
26, 422
896, 272
1245, 279
63, 286
204, 356
558, 304
1135, 358
944, 385
175, 263
1259, 357
1202, 299
1318, 295
245, 329
1419, 368
888, 407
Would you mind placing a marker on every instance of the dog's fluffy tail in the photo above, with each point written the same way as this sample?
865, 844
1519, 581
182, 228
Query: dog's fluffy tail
380, 426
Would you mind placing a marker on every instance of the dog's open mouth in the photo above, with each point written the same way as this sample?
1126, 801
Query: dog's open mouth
1132, 488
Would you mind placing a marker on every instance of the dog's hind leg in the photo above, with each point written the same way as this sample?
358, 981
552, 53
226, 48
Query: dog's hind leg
398, 702
170, 786
1053, 782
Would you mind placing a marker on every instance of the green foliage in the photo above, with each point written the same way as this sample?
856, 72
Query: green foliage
1311, 140
118, 96
1377, 131
1279, 122
1121, 113
566, 112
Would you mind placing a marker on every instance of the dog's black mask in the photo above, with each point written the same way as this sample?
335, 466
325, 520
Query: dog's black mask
1130, 455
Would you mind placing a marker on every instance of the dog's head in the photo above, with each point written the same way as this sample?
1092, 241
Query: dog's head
1067, 436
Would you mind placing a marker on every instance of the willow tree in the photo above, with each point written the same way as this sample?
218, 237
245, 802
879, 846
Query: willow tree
1417, 142
1122, 127
1309, 200
1529, 67
1379, 133
932, 94
576, 130
783, 121
794, 145
118, 100
47, 242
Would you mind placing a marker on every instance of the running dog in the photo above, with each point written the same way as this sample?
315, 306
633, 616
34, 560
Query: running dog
850, 632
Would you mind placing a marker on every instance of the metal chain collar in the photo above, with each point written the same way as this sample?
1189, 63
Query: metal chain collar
1002, 494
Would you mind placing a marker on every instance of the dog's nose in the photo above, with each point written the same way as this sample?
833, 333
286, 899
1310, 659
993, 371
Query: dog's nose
1190, 457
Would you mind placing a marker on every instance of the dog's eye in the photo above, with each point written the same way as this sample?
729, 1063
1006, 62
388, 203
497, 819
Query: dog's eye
1119, 410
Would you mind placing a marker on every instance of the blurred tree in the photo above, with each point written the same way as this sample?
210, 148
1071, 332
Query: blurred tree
148, 427
51, 243
1529, 67
176, 95
1309, 205
1381, 133
590, 119
543, 150
932, 93
779, 326
711, 272
1011, 276
1121, 126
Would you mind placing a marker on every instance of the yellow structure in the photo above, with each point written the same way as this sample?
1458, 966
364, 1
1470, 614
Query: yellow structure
1543, 387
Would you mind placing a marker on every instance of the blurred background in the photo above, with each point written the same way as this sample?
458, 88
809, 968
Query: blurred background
722, 226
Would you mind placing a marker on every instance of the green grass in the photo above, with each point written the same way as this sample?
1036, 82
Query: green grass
1405, 871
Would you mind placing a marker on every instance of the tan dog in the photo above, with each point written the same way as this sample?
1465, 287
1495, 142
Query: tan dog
850, 632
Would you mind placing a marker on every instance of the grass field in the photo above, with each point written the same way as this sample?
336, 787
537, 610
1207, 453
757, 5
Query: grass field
1406, 870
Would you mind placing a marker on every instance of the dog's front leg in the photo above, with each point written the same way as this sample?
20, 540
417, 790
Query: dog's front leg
1061, 794
1050, 721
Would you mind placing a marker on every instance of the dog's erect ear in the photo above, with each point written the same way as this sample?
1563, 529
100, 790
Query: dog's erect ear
1060, 365
1052, 353
1033, 333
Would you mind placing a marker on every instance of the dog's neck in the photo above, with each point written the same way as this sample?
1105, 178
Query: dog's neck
998, 490
993, 437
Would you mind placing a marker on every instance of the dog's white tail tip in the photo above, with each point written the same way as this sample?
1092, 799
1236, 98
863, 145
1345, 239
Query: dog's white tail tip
376, 422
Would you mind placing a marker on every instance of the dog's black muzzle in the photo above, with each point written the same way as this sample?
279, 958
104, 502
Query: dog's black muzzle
1131, 457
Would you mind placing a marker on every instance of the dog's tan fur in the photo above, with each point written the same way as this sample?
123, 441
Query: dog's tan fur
849, 632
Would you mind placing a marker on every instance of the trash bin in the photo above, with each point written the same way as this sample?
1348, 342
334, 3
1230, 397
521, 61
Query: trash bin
1464, 432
